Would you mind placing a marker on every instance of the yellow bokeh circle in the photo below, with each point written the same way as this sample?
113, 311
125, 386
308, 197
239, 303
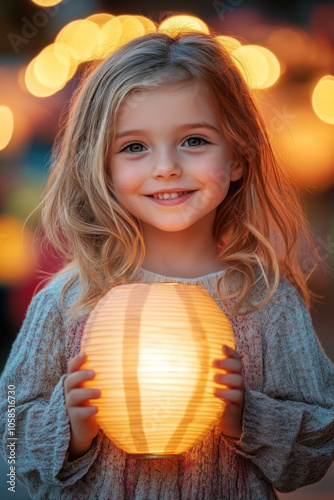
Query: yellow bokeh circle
323, 99
176, 24
258, 65
46, 3
6, 126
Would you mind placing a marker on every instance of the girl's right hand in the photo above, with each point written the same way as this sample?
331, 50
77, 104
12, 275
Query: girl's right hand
82, 416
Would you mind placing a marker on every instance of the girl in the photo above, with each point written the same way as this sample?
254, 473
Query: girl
165, 173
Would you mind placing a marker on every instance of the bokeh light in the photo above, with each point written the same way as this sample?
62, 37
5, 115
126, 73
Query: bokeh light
149, 25
81, 38
228, 42
34, 86
100, 19
53, 66
109, 37
16, 250
46, 3
174, 24
323, 99
253, 62
131, 28
6, 126
273, 65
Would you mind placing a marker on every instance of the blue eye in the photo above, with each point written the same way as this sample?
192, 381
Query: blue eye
132, 144
197, 139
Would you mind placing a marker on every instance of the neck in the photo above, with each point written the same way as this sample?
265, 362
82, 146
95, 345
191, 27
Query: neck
186, 254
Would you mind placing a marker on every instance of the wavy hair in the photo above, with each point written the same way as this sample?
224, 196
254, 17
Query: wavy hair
258, 225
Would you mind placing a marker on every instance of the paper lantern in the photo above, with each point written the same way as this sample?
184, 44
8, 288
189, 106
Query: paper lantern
152, 346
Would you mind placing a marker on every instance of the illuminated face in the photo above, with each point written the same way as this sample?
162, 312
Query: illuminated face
169, 140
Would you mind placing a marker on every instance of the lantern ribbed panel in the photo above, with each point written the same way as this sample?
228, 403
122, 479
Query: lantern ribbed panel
152, 346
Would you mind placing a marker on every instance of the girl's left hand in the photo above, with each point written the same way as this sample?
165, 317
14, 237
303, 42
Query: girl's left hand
233, 392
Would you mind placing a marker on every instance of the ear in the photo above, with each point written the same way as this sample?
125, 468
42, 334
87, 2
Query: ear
236, 171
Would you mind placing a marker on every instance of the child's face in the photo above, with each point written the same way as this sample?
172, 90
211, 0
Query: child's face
167, 152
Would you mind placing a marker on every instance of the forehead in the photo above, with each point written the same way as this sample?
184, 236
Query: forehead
167, 102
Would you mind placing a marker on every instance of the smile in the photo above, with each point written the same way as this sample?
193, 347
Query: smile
171, 198
167, 196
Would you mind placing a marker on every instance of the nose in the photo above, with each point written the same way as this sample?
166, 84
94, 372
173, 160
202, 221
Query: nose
166, 165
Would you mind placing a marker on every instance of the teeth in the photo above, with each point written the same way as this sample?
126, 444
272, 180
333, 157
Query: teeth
169, 196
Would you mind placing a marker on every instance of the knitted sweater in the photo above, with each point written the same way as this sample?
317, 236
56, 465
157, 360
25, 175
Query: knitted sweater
287, 439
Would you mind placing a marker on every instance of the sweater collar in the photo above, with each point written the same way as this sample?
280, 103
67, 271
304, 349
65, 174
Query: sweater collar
209, 281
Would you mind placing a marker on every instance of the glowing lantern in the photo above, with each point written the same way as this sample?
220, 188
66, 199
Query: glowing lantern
152, 346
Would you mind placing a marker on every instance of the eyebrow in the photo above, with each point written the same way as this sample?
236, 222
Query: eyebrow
184, 126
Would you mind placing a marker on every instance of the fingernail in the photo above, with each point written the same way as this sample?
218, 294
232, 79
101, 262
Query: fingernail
227, 349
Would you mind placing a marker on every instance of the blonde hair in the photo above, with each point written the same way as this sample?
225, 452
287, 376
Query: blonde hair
103, 242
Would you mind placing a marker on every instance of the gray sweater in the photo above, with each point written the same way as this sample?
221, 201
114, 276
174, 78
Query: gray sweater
288, 419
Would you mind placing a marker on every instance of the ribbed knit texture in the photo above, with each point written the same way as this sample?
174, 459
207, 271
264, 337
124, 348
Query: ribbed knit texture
288, 420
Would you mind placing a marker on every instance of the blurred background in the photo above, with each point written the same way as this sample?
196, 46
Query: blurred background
286, 51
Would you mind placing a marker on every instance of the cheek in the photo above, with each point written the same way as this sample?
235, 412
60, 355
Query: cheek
218, 180
124, 180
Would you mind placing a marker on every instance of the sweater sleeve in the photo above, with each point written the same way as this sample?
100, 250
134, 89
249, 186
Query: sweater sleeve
35, 371
288, 427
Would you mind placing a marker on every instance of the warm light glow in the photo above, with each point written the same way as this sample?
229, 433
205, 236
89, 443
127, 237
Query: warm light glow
109, 37
81, 37
152, 348
273, 65
252, 64
323, 99
291, 45
16, 253
52, 66
258, 65
100, 19
131, 28
229, 43
147, 23
34, 86
46, 3
308, 146
6, 127
174, 24
120, 30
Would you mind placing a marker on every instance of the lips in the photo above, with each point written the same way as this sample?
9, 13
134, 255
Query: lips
172, 201
171, 194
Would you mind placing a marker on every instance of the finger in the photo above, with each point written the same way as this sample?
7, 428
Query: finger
75, 379
76, 362
228, 364
79, 397
229, 352
233, 380
82, 412
230, 396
